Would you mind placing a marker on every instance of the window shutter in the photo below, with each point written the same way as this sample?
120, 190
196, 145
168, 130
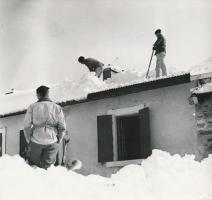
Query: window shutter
23, 145
145, 133
105, 138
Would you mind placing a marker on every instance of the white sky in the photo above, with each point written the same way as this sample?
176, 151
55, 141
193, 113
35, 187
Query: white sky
40, 40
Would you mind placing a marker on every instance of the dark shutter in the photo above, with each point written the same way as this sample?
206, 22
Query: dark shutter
0, 144
23, 145
105, 138
145, 133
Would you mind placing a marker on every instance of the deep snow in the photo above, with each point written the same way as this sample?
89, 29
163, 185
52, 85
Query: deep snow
160, 177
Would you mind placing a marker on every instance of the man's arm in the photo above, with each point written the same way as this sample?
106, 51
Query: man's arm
28, 123
61, 126
158, 42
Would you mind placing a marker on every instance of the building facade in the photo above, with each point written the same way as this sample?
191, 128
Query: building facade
121, 126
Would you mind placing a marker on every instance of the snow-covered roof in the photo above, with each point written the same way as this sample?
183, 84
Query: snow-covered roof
206, 88
78, 91
201, 71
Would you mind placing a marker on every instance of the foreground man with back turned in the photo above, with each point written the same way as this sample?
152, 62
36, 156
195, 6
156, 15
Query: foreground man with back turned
44, 128
160, 53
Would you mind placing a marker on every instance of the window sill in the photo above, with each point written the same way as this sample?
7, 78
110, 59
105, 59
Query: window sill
122, 163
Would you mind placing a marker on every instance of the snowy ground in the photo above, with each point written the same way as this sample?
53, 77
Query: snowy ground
160, 177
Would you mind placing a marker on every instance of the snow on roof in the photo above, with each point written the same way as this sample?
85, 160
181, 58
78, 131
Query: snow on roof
206, 88
70, 90
202, 68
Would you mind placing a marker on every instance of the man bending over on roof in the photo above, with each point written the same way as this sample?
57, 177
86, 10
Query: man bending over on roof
44, 128
160, 53
92, 64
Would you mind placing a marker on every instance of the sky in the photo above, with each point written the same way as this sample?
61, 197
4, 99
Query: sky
41, 40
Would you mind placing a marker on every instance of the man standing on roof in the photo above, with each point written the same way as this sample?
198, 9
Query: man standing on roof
44, 128
92, 64
160, 53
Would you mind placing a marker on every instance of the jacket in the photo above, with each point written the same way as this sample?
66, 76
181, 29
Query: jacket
160, 44
44, 122
93, 64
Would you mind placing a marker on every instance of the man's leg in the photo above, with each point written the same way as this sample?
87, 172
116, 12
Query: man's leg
49, 155
162, 64
98, 71
157, 69
34, 153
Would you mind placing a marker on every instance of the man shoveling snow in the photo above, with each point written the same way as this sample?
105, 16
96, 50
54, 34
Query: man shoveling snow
160, 52
92, 64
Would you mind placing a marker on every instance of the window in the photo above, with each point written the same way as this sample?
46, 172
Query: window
2, 141
123, 136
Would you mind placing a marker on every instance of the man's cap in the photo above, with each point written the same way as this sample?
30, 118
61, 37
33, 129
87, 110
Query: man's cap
158, 31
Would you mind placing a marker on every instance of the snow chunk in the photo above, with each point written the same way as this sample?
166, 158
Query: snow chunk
161, 177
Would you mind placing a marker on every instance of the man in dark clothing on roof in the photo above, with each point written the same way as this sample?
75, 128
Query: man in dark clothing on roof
92, 64
160, 52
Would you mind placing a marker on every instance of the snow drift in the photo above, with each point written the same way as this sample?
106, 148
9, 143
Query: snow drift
160, 177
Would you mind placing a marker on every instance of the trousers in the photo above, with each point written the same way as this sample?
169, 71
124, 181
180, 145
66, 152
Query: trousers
42, 155
160, 64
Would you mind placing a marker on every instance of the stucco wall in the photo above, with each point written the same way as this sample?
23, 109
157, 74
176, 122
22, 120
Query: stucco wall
13, 126
171, 119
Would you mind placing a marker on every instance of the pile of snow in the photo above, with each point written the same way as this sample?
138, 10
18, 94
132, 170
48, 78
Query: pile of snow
203, 89
131, 77
161, 177
203, 67
77, 90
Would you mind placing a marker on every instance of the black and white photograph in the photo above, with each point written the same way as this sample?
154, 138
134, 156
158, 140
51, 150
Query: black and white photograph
106, 99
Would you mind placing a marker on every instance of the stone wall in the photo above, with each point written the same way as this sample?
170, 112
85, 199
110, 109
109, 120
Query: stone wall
204, 125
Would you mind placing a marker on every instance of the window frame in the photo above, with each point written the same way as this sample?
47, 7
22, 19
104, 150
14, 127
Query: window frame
121, 112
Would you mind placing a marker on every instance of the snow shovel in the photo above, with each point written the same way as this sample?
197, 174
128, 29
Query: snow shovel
147, 73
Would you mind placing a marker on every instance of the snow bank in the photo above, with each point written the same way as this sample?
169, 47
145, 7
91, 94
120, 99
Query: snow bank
160, 177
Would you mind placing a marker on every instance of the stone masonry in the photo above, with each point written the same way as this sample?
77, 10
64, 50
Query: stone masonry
204, 125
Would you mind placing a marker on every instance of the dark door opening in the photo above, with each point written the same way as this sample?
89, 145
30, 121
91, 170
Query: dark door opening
128, 137
1, 144
23, 145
